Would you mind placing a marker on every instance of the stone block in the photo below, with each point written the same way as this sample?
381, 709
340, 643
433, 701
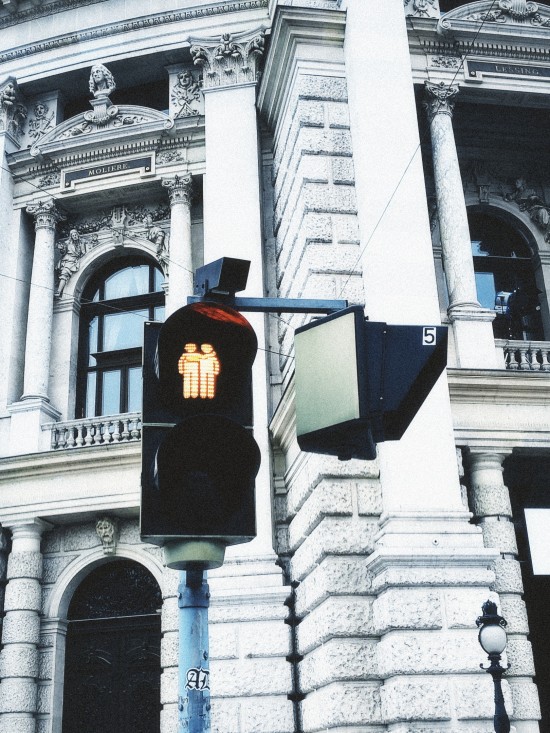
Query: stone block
325, 198
45, 665
338, 115
339, 660
21, 627
169, 615
420, 698
169, 718
225, 716
525, 697
19, 723
400, 608
223, 641
18, 696
474, 697
433, 575
129, 533
23, 594
54, 566
334, 536
336, 617
501, 535
333, 576
342, 704
24, 565
343, 172
169, 650
240, 611
463, 606
520, 657
401, 653
328, 498
80, 537
491, 500
265, 639
330, 88
51, 541
18, 660
244, 677
515, 613
44, 698
266, 715
507, 576
169, 685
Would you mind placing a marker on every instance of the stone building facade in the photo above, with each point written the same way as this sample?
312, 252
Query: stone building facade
388, 153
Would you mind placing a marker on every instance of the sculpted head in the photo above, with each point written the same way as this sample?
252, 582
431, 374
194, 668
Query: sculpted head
102, 82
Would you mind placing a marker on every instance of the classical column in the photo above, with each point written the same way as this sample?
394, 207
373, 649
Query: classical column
474, 345
40, 315
490, 504
232, 192
21, 630
180, 282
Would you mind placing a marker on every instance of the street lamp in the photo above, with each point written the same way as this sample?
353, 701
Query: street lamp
492, 638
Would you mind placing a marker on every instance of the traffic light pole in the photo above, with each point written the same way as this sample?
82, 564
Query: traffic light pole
194, 672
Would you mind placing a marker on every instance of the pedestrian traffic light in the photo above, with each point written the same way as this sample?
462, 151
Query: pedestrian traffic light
359, 382
199, 459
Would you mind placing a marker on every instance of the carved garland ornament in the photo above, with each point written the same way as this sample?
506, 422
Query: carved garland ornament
515, 11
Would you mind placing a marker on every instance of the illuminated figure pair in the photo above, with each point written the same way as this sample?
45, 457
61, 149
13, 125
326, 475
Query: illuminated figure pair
199, 370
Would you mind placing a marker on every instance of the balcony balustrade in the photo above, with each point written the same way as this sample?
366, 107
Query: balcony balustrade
527, 356
103, 430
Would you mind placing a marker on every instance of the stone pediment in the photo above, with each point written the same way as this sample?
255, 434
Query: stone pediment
487, 18
116, 121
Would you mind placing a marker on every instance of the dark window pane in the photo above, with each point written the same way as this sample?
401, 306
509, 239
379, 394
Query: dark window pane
111, 393
134, 389
124, 330
92, 340
127, 282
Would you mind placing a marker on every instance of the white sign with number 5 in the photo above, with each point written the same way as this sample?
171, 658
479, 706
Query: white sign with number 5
429, 336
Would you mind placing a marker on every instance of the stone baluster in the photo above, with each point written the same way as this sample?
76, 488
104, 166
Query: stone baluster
490, 503
21, 630
472, 328
40, 316
180, 283
524, 362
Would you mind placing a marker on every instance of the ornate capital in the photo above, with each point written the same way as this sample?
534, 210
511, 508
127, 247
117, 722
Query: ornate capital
229, 62
180, 189
13, 112
439, 99
46, 214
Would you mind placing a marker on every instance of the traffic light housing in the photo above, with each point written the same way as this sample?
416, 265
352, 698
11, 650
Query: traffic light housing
359, 382
199, 459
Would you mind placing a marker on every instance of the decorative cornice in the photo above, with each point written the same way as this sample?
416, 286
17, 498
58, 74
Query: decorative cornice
111, 29
231, 61
180, 189
439, 99
41, 11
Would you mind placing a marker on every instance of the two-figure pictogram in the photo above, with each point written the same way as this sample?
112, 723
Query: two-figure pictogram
199, 369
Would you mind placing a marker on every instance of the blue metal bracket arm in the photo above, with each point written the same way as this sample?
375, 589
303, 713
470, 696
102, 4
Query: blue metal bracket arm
272, 305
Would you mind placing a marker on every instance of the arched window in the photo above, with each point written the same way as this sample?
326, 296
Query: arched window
115, 305
504, 277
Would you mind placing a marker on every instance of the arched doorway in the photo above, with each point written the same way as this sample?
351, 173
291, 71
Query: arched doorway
112, 659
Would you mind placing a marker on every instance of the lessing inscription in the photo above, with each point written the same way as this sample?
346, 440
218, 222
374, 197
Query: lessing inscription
494, 67
107, 169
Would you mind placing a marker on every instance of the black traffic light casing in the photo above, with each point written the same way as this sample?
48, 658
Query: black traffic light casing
359, 382
199, 459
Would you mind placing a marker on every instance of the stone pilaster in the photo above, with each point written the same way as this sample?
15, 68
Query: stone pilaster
492, 509
40, 316
180, 283
21, 630
472, 328
3, 570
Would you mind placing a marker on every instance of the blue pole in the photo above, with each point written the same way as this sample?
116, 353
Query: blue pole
194, 672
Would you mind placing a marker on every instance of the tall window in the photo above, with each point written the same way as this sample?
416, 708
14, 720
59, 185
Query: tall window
504, 278
115, 305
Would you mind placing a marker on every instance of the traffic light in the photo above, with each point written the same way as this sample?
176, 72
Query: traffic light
199, 459
359, 382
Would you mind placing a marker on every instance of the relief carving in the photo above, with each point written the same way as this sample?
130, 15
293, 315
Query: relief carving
512, 11
422, 8
71, 250
186, 96
13, 112
107, 531
41, 122
529, 201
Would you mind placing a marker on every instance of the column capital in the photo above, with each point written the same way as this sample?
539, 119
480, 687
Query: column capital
180, 188
228, 61
25, 529
439, 99
46, 214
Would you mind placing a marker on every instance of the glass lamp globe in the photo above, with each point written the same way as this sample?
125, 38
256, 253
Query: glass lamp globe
492, 638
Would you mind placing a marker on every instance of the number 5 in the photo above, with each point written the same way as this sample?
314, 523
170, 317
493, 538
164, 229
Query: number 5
428, 336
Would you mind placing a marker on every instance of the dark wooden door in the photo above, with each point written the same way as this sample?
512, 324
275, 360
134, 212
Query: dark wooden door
112, 662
